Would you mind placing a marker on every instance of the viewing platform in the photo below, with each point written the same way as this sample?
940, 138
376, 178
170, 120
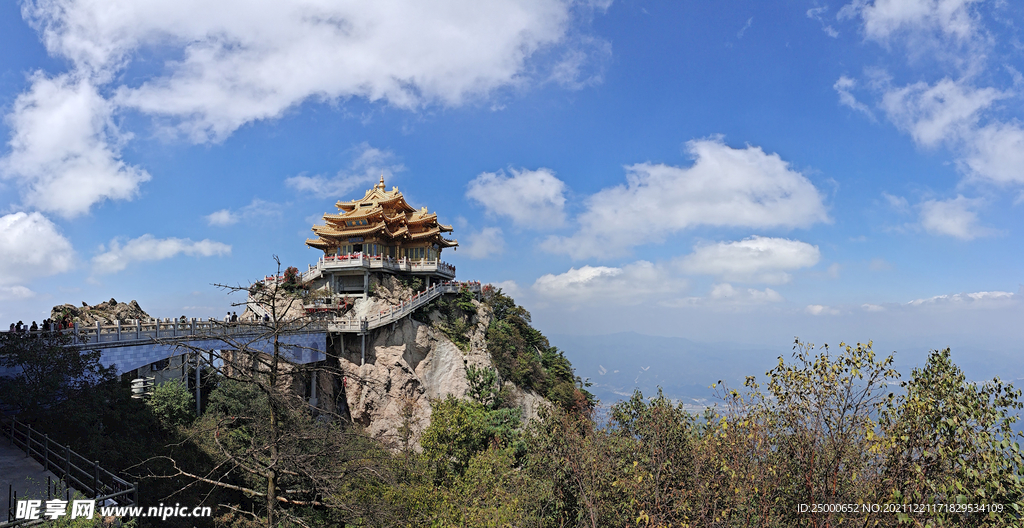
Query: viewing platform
361, 261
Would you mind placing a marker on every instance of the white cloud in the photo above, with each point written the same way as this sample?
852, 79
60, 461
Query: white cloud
486, 243
15, 293
879, 264
582, 65
65, 148
240, 61
510, 288
867, 307
884, 19
755, 259
818, 309
898, 203
996, 153
834, 269
955, 217
149, 248
932, 114
817, 13
724, 187
367, 167
255, 211
533, 199
958, 114
726, 292
30, 247
222, 218
843, 87
635, 283
750, 22
728, 296
973, 300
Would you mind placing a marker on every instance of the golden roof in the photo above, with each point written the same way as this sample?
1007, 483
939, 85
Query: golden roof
382, 214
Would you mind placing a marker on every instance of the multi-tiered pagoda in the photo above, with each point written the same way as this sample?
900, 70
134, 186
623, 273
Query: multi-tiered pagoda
382, 224
379, 232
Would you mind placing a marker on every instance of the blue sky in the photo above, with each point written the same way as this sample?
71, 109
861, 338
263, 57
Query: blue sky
735, 171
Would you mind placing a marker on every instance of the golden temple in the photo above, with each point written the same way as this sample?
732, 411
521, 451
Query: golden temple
382, 224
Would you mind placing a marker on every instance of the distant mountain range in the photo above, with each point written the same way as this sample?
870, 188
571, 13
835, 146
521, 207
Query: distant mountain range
617, 364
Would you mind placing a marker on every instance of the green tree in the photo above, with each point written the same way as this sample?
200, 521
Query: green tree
951, 441
483, 385
173, 404
658, 439
49, 370
459, 429
580, 461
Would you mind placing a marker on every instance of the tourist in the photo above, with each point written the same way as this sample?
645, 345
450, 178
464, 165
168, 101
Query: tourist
234, 317
34, 327
20, 326
12, 327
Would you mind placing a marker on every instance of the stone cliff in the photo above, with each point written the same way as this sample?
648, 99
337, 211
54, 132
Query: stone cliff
407, 365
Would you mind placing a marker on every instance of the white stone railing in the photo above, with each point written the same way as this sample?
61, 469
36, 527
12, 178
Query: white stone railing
151, 329
394, 313
148, 330
360, 260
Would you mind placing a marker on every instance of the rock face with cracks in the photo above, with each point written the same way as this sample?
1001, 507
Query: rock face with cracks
407, 365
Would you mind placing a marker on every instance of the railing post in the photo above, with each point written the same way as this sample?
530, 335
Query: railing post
46, 452
193, 326
67, 465
138, 329
135, 493
96, 478
118, 329
157, 327
97, 331
174, 329
28, 441
76, 331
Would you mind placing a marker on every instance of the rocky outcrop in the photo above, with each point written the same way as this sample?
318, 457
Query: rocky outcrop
105, 312
408, 364
390, 290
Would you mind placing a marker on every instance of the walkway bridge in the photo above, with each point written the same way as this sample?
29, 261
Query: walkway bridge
142, 343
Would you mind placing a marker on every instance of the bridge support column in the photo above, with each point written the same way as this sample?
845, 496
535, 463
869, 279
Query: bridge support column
198, 401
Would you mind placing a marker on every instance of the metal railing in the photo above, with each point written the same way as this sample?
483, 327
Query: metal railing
76, 471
